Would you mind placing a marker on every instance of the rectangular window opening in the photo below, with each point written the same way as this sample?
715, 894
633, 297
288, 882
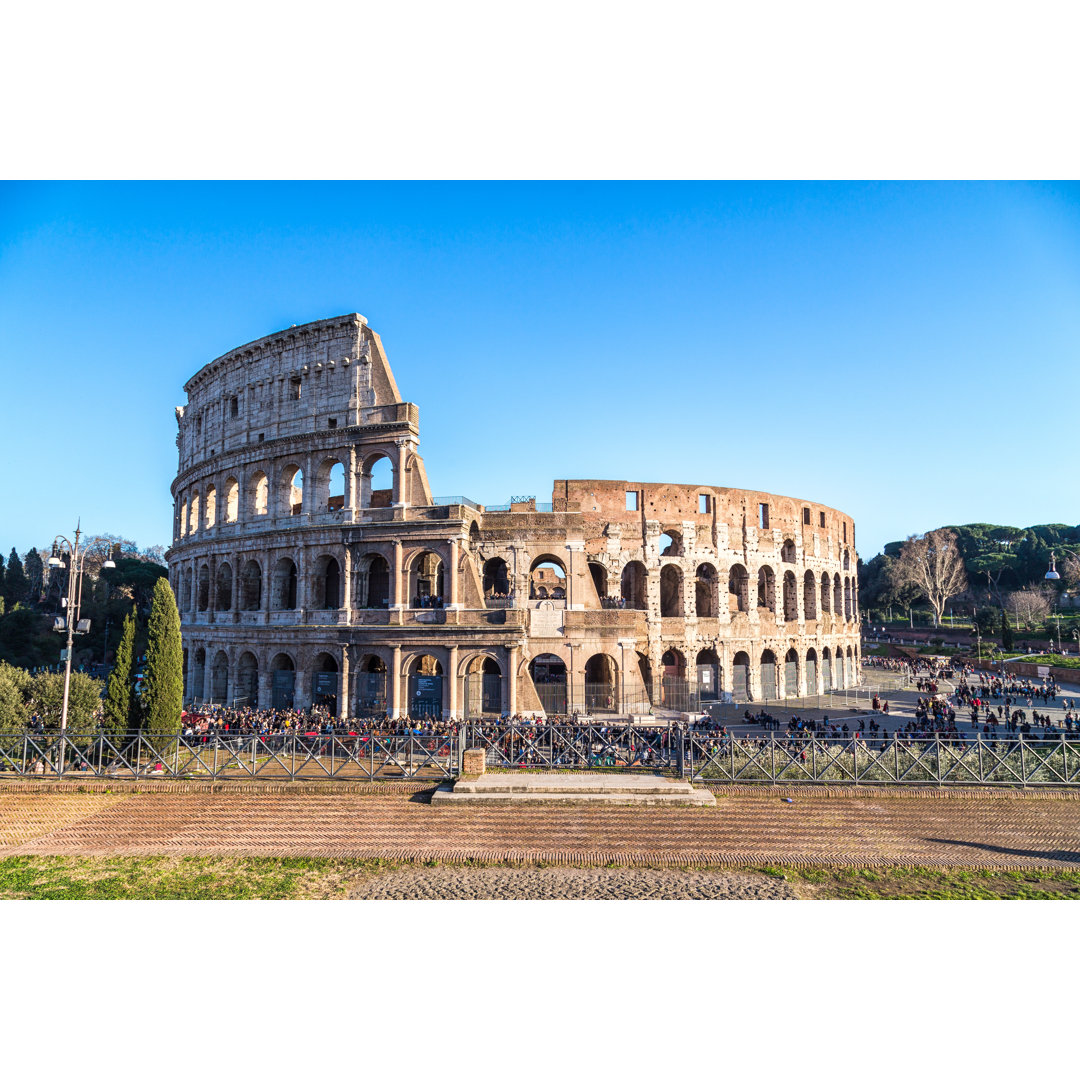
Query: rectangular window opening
845, 532
703, 506
234, 406
631, 500
294, 389
332, 422
261, 436
821, 518
806, 515
763, 515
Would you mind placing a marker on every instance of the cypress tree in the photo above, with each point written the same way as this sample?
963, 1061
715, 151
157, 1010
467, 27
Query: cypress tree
163, 676
15, 583
35, 575
118, 696
1006, 632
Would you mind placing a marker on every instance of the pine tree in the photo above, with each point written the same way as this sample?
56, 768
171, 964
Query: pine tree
15, 584
163, 676
1006, 633
35, 575
1, 577
119, 695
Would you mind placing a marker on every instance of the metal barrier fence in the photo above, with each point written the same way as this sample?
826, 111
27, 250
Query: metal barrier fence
929, 760
234, 757
574, 746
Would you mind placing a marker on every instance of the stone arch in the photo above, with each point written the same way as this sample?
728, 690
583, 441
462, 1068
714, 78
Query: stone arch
247, 681
324, 682
198, 674
483, 686
330, 489
474, 535
219, 678
811, 671
838, 596
766, 589
204, 588
825, 606
847, 599
373, 581
426, 579
791, 674
326, 583
826, 669
709, 676
809, 595
185, 590
283, 585
791, 598
376, 469
600, 578
633, 585
547, 573
251, 586
601, 683
674, 546
671, 592
496, 578
740, 677
232, 500
738, 588
260, 494
769, 687
210, 512
425, 686
706, 591
787, 551
548, 673
282, 680
224, 587
184, 516
193, 518
291, 491
372, 683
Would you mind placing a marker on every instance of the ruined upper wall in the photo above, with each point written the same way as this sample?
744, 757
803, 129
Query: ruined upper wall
330, 373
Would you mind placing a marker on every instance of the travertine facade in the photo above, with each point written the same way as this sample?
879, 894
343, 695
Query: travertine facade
301, 577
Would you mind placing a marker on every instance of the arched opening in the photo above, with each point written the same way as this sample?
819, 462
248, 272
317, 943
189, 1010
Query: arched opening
707, 592
768, 675
849, 668
826, 669
738, 588
283, 586
204, 587
251, 586
633, 586
740, 677
185, 590
673, 688
198, 676
474, 536
211, 506
223, 600
548, 674
183, 516
373, 582
598, 572
671, 598
283, 681
847, 599
260, 494
787, 551
425, 687
601, 693
324, 683
549, 574
247, 681
791, 674
193, 519
825, 606
847, 560
291, 497
426, 580
496, 579
371, 686
766, 589
708, 675
327, 583
219, 679
673, 545
809, 595
232, 500
791, 598
838, 596
811, 671
483, 687
377, 482
332, 484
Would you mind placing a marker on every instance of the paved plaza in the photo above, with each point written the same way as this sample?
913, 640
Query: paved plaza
818, 827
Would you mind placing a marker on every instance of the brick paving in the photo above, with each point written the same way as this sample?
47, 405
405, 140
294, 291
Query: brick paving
744, 829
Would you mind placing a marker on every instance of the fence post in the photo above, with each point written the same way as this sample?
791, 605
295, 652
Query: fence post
214, 773
459, 756
682, 753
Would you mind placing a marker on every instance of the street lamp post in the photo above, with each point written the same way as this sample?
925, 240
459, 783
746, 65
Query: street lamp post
72, 605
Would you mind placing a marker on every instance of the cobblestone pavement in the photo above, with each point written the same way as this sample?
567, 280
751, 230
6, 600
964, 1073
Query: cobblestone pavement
966, 830
567, 883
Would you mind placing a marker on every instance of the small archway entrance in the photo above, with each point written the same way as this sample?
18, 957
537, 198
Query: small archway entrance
283, 686
324, 683
425, 688
549, 677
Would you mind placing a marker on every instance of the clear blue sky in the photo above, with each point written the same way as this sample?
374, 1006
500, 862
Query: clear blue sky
907, 353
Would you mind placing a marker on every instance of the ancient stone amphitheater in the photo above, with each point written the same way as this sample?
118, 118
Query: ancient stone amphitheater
311, 564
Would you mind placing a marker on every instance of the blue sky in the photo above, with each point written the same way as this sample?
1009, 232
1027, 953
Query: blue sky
905, 352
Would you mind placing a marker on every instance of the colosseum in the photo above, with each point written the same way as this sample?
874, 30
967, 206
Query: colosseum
312, 565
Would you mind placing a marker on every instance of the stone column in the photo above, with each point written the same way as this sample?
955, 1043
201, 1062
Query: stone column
265, 686
398, 603
512, 653
452, 684
345, 693
403, 448
395, 682
574, 549
347, 585
350, 492
267, 587
453, 571
213, 589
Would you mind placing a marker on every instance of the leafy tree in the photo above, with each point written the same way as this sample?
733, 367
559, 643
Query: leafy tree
46, 699
163, 678
15, 583
985, 620
1030, 605
14, 690
932, 564
119, 695
1006, 632
35, 575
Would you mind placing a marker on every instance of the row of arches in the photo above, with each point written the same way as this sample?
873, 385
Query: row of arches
282, 494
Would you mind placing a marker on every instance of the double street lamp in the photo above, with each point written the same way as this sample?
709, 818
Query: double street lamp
71, 623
